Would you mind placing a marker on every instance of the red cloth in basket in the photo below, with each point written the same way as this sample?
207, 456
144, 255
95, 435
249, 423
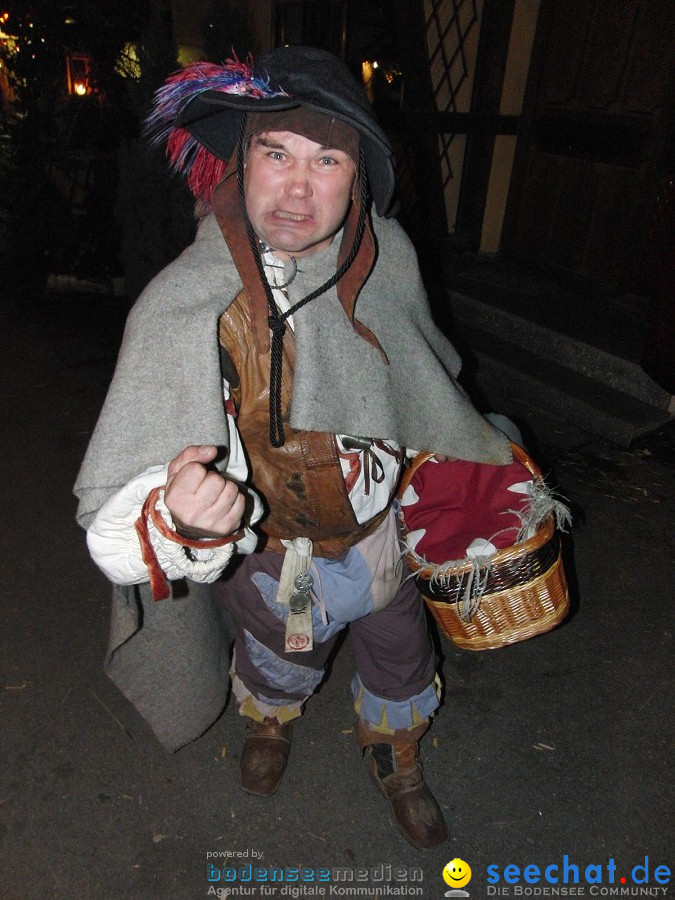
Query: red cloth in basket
457, 508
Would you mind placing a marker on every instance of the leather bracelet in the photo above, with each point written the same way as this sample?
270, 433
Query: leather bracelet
159, 584
175, 536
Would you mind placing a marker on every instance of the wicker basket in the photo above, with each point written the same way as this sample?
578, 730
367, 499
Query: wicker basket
526, 592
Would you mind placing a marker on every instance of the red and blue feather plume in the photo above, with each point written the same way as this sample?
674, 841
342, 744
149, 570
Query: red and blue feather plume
201, 168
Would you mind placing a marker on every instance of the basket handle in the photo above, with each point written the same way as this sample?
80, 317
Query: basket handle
523, 457
410, 470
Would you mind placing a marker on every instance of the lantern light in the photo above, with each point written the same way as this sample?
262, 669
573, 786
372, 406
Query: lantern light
77, 73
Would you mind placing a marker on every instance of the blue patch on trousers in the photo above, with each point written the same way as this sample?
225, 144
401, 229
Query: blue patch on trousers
345, 586
278, 673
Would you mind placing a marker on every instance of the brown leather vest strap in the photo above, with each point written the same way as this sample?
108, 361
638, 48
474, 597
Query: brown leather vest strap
349, 286
227, 209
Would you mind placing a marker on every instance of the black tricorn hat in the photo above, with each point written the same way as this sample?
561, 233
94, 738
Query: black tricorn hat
289, 77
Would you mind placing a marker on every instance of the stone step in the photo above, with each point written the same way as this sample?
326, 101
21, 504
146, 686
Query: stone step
595, 364
513, 379
611, 321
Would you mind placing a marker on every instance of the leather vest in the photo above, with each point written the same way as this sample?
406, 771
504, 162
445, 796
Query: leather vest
301, 483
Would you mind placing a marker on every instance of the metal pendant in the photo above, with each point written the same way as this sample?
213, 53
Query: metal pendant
301, 598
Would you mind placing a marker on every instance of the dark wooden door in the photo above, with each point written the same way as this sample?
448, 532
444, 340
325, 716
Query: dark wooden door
593, 146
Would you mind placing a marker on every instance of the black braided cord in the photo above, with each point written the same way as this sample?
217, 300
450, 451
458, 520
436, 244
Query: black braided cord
277, 320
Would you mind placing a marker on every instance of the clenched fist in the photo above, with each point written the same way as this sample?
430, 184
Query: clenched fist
202, 503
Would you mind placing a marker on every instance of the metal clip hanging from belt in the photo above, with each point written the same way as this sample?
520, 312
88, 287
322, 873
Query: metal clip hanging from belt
295, 585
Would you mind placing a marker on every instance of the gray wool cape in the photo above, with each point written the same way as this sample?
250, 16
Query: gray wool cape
170, 658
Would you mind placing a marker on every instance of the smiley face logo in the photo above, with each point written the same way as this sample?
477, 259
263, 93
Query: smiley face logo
457, 873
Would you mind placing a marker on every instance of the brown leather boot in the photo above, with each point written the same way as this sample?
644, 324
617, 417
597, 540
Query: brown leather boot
393, 766
264, 756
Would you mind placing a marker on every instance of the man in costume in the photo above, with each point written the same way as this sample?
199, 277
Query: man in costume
270, 382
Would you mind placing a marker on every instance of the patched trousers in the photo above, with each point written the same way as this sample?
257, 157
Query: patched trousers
395, 684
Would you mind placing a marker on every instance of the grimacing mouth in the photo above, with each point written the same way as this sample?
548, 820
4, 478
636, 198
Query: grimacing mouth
295, 217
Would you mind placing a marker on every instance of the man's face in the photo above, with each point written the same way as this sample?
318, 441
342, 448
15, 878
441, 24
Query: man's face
298, 192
